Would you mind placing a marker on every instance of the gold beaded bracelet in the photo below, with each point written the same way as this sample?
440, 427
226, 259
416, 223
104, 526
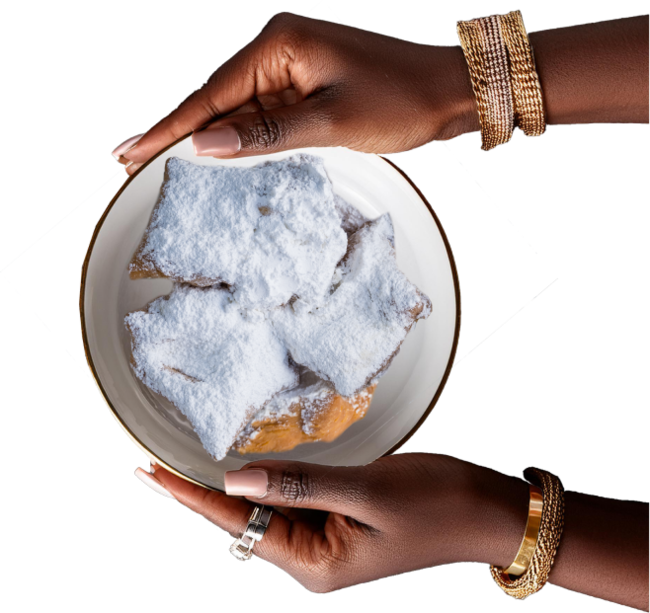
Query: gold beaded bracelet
530, 570
504, 78
526, 88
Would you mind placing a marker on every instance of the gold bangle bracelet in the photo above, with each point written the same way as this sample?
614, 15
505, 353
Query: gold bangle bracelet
541, 558
524, 556
504, 78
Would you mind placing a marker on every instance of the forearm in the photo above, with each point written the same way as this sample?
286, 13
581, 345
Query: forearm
593, 73
603, 550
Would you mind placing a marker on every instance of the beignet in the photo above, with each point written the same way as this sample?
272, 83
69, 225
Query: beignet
217, 365
354, 336
270, 232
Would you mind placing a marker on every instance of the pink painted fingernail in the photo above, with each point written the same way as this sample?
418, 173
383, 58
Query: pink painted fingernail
127, 145
253, 482
218, 141
131, 167
152, 482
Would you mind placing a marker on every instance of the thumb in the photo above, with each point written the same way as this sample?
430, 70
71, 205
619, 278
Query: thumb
305, 124
340, 489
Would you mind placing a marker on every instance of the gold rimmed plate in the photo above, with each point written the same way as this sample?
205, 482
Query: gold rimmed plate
405, 395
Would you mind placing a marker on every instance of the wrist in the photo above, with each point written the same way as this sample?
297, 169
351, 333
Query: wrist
462, 117
497, 522
452, 103
465, 117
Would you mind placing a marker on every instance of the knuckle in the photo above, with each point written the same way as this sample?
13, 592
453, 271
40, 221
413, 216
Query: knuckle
318, 586
264, 133
282, 21
207, 106
321, 582
295, 486
286, 29
176, 130
282, 16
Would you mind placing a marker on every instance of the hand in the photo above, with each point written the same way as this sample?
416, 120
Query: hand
339, 526
309, 83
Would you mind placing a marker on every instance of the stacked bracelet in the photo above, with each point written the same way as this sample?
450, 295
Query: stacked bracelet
505, 81
526, 89
532, 565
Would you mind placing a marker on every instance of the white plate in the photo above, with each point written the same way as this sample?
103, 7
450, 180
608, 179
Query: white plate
405, 395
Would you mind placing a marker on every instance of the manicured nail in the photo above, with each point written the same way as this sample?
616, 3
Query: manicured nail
127, 145
218, 141
253, 482
131, 167
152, 482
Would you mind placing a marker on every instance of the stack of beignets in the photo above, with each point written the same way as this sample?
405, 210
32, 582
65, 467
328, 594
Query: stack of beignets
288, 304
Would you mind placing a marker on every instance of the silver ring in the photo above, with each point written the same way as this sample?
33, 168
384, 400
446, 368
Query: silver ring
258, 522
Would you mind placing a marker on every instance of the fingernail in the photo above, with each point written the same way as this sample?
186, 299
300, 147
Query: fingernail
253, 482
152, 482
131, 167
219, 141
127, 145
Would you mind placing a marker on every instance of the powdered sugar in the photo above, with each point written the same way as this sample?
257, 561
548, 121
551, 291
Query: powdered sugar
351, 217
354, 336
271, 232
274, 235
308, 401
198, 349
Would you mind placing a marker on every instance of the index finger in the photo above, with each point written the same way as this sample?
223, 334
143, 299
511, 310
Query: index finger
236, 81
228, 513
